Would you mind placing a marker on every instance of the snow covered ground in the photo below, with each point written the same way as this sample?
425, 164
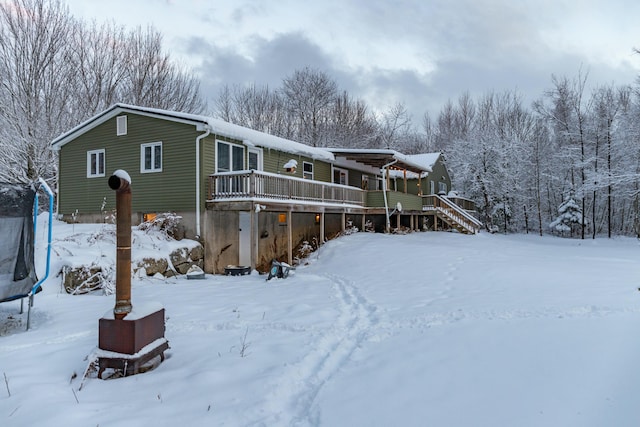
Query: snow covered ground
425, 329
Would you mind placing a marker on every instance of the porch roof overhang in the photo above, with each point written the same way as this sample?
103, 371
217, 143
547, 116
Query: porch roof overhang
379, 158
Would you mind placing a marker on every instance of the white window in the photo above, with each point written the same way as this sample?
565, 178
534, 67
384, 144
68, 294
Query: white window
255, 159
121, 125
432, 187
442, 188
340, 176
95, 163
229, 157
151, 157
307, 170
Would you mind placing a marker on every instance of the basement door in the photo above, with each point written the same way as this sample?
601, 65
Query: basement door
244, 237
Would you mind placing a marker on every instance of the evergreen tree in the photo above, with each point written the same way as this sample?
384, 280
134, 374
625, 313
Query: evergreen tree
569, 216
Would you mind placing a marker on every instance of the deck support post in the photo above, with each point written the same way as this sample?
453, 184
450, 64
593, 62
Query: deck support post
289, 238
254, 237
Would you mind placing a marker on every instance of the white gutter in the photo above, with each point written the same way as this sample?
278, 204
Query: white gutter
384, 191
198, 139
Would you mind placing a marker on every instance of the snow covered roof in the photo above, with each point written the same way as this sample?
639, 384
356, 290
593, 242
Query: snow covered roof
427, 159
219, 127
381, 157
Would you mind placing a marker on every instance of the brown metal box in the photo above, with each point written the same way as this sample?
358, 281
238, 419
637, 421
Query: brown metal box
130, 336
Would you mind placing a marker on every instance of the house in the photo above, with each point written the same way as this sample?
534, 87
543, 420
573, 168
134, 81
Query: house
248, 196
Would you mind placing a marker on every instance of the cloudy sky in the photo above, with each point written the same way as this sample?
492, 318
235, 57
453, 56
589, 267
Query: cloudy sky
419, 52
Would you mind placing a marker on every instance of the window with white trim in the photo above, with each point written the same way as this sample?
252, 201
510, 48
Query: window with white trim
442, 187
255, 159
307, 170
340, 176
229, 157
95, 163
121, 125
151, 157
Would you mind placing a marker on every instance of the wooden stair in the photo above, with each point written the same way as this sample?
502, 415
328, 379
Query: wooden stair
456, 217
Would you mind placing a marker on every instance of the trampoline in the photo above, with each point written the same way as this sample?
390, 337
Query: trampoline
18, 222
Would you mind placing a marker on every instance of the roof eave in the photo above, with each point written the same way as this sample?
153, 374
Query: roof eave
115, 110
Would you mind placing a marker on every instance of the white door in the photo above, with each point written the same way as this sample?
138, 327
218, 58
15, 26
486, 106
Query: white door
244, 253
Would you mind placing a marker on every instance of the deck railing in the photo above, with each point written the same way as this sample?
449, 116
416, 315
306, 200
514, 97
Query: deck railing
257, 184
452, 211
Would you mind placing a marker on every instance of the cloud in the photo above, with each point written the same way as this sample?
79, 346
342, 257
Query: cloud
269, 63
421, 53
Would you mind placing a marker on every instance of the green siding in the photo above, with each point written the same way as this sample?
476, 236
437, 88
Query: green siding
207, 166
355, 178
168, 190
439, 174
410, 202
322, 171
274, 160
375, 199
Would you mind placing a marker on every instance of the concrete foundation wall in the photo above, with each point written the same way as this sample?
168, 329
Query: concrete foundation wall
273, 236
221, 238
332, 225
272, 240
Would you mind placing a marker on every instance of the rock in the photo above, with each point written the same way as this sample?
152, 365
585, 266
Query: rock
153, 266
85, 279
180, 260
197, 253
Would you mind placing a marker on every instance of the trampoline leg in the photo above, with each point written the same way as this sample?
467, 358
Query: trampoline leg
21, 305
29, 311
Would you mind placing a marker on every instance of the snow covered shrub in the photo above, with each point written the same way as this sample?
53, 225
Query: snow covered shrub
106, 233
401, 230
107, 217
305, 249
369, 227
167, 223
86, 279
350, 228
569, 217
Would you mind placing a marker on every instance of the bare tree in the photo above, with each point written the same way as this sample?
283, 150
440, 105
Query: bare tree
33, 50
350, 123
309, 94
100, 67
57, 71
396, 128
151, 79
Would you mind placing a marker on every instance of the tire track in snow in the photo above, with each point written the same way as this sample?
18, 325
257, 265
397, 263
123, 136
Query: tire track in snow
293, 399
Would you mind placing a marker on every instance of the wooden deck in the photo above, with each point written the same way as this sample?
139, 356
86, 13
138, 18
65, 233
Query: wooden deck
240, 186
264, 185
